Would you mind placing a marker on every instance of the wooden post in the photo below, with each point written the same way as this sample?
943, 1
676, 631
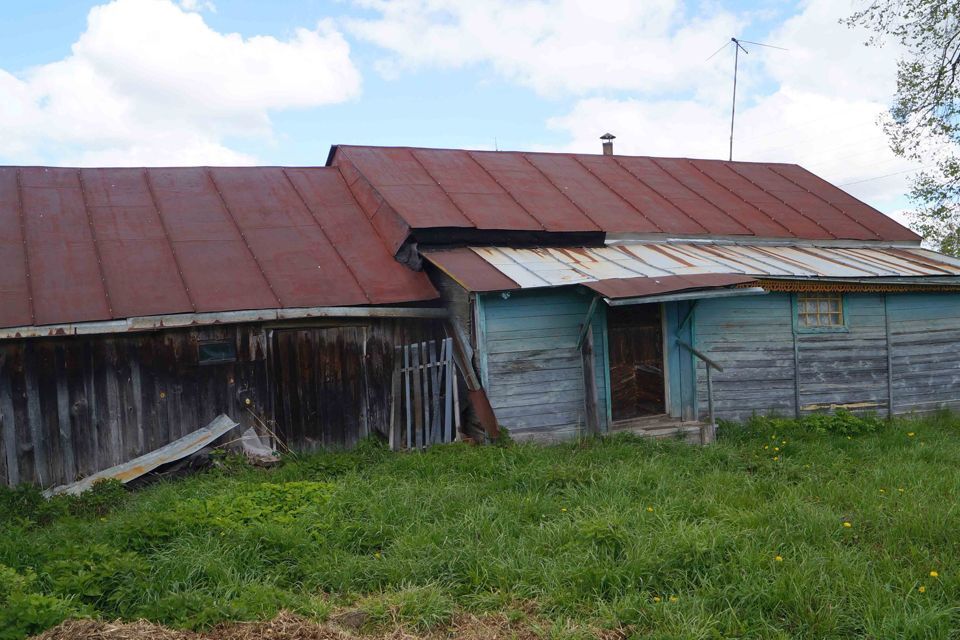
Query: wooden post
590, 384
886, 324
395, 400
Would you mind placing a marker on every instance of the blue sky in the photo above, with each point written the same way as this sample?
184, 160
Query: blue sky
141, 82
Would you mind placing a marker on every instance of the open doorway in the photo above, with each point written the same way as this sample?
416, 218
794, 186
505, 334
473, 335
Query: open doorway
635, 338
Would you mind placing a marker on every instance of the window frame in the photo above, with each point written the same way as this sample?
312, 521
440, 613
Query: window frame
801, 328
202, 343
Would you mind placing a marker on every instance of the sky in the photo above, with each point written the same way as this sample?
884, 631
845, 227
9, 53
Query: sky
240, 82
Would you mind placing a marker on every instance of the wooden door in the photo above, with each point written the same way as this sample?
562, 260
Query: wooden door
636, 361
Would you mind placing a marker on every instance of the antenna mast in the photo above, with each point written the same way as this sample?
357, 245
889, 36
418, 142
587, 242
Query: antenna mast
733, 107
737, 48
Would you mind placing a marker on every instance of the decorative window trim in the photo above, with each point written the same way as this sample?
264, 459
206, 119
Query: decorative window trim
217, 352
803, 314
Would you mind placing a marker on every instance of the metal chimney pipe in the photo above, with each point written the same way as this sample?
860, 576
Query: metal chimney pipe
608, 143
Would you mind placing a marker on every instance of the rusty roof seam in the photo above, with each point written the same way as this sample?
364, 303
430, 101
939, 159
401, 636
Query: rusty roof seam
26, 249
620, 265
166, 234
732, 263
827, 202
505, 190
383, 201
916, 259
557, 187
96, 246
440, 186
702, 197
630, 252
730, 167
514, 261
324, 232
884, 263
683, 250
246, 243
615, 192
741, 198
670, 202
835, 260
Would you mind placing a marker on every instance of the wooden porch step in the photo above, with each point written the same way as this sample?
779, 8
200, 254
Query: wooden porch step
663, 426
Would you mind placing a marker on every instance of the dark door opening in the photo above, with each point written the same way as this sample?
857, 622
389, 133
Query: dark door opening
635, 338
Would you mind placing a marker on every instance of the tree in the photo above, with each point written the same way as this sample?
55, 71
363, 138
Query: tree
924, 121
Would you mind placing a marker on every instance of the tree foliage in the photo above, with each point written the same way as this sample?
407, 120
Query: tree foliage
924, 121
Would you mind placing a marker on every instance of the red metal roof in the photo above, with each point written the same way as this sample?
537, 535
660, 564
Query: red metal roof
403, 189
82, 245
640, 287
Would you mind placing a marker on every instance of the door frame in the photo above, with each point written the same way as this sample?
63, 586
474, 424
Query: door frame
665, 356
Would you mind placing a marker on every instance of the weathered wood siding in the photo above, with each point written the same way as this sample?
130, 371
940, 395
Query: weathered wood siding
846, 368
73, 406
925, 354
333, 384
751, 337
530, 363
772, 368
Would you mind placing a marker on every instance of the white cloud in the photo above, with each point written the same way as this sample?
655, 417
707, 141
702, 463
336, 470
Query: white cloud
553, 46
151, 83
198, 5
817, 104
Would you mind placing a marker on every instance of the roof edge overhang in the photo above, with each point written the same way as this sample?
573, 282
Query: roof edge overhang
189, 320
615, 239
700, 294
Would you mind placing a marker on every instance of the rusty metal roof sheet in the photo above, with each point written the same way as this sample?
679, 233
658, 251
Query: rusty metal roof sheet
639, 287
504, 268
80, 245
404, 189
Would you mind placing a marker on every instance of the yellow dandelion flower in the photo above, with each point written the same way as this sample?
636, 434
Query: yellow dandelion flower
778, 558
901, 489
784, 442
673, 598
376, 555
922, 589
911, 434
883, 490
650, 509
849, 437
934, 574
656, 598
563, 509
766, 446
847, 525
775, 458
776, 448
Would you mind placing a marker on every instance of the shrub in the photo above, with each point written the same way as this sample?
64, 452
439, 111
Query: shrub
24, 611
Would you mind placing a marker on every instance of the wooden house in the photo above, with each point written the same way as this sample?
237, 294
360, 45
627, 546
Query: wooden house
138, 304
589, 293
729, 288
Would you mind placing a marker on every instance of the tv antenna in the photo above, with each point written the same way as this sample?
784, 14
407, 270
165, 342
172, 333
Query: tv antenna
737, 48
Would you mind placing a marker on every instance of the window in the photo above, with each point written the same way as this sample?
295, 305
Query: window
215, 352
819, 310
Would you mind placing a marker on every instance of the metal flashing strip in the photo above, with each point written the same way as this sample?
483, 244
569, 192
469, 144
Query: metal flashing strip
154, 323
687, 295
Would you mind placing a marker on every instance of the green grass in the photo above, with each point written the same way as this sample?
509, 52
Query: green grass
663, 539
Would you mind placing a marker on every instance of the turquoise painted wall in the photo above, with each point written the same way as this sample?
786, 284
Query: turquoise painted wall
533, 371
530, 362
925, 351
755, 339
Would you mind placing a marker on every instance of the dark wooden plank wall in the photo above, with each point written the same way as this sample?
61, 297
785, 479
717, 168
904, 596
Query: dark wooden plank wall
75, 405
333, 383
753, 338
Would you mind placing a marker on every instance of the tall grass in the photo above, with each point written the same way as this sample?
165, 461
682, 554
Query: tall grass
780, 530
